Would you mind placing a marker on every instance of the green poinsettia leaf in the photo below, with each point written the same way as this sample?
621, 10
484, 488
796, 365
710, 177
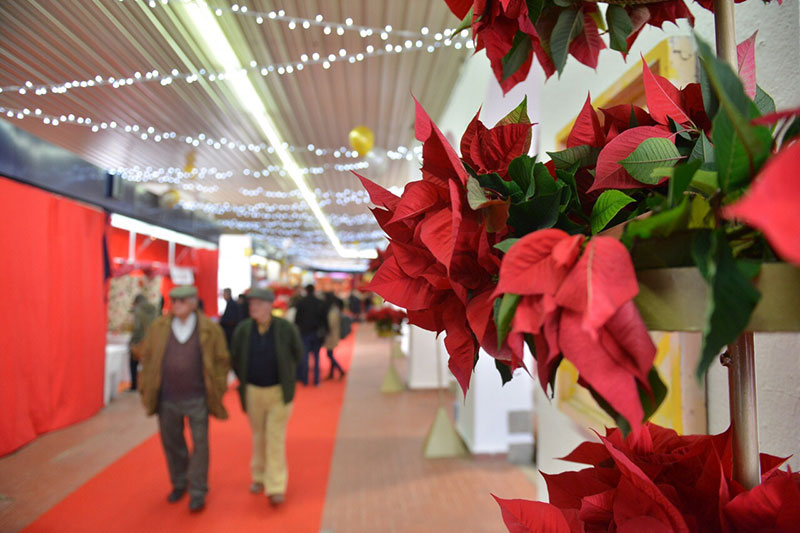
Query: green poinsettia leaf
704, 152
705, 182
737, 141
518, 115
679, 181
568, 26
507, 189
567, 176
534, 9
505, 313
606, 208
475, 195
583, 154
764, 102
620, 27
651, 154
520, 170
543, 181
540, 212
692, 212
504, 370
516, 57
504, 245
465, 23
740, 149
732, 296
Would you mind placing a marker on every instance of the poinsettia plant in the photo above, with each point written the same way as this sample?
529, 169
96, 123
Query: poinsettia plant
657, 480
387, 319
513, 32
499, 250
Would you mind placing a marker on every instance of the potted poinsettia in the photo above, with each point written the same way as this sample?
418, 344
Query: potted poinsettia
387, 320
500, 250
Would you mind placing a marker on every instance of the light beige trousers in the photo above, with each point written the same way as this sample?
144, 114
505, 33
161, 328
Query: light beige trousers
268, 418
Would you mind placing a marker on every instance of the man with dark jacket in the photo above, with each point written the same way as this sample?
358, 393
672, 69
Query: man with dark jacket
265, 353
185, 367
311, 318
230, 317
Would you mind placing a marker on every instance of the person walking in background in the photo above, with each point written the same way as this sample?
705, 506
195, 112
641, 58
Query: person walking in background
185, 365
354, 304
230, 317
265, 352
333, 337
311, 317
143, 315
241, 305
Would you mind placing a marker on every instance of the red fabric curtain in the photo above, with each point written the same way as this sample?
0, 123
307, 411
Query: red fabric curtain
52, 315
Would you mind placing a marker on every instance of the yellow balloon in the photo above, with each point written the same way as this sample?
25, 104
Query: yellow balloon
170, 198
361, 140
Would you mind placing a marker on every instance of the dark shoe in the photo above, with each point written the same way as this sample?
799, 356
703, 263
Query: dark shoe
341, 377
276, 499
176, 495
197, 504
257, 488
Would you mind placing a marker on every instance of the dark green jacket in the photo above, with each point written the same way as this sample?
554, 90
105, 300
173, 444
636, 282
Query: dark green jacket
288, 346
143, 316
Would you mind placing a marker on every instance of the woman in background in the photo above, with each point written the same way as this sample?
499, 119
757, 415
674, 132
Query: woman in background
335, 306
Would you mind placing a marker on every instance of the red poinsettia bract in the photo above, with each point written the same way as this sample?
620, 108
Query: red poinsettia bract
657, 480
441, 259
578, 304
625, 127
771, 203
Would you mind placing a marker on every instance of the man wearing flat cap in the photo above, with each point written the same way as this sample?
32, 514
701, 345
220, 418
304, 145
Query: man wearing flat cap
265, 351
185, 365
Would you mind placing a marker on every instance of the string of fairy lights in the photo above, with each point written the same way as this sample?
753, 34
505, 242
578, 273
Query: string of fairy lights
287, 67
275, 221
150, 133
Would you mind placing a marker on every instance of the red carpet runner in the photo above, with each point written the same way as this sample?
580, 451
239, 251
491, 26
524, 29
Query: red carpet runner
130, 495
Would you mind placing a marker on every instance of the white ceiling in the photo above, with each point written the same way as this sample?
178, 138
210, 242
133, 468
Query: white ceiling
51, 42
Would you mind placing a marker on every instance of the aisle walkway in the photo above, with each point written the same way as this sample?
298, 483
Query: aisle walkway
130, 495
108, 473
380, 481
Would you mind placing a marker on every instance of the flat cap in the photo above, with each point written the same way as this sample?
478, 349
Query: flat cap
183, 291
257, 293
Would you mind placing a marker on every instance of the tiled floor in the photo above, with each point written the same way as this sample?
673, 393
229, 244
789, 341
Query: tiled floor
379, 479
39, 475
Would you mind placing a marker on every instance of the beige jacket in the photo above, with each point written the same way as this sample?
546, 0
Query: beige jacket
334, 328
216, 363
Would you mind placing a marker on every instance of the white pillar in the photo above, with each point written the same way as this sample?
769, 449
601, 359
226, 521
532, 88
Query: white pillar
234, 265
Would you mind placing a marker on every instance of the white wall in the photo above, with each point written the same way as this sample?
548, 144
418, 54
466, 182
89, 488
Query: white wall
234, 266
778, 386
777, 61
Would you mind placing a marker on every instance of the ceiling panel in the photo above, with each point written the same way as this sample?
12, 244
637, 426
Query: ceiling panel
48, 42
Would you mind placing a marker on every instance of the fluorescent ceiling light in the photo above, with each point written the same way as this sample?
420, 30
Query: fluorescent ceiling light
143, 228
222, 51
